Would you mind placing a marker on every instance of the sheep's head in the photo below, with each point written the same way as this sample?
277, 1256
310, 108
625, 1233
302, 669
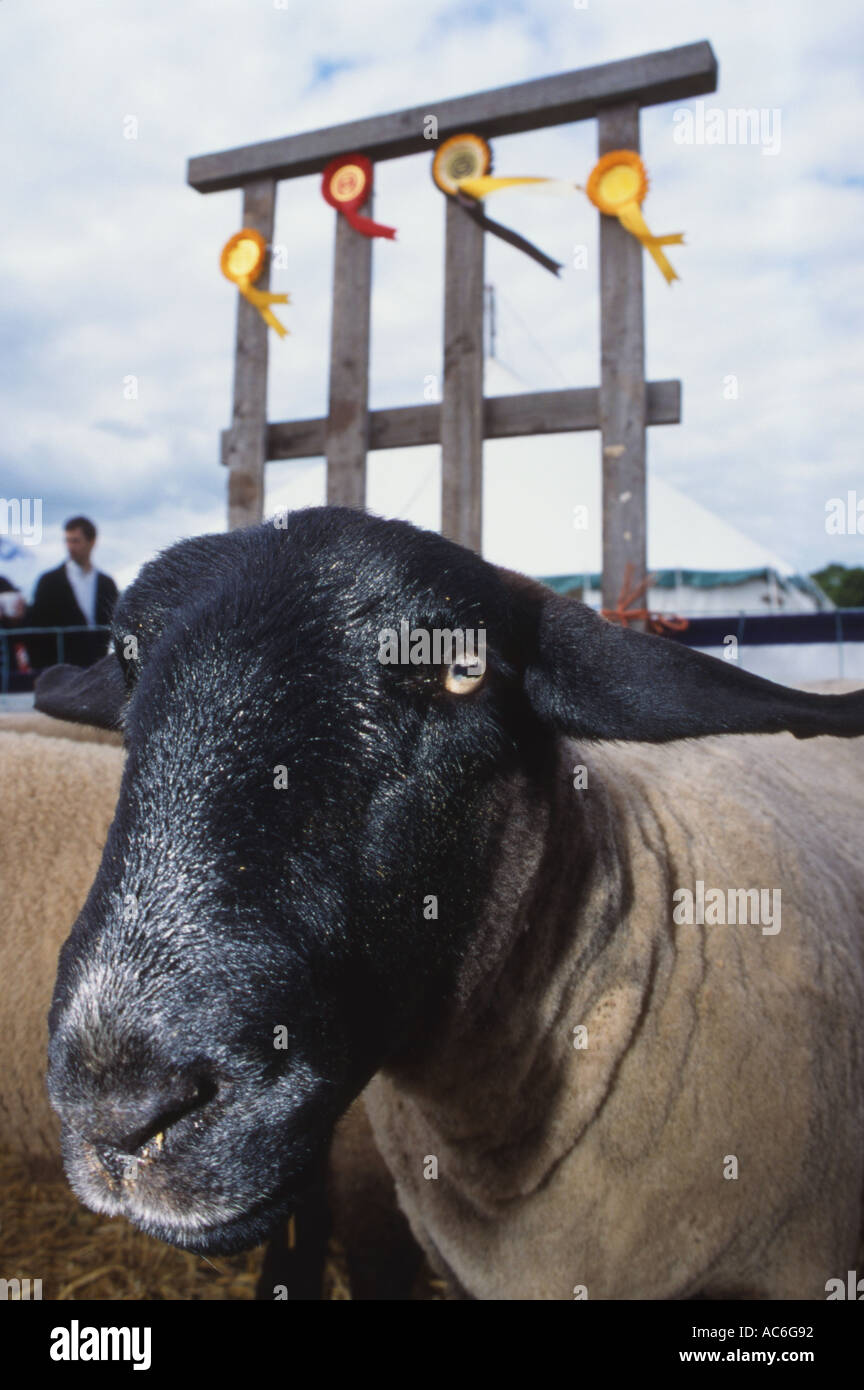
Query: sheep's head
302, 843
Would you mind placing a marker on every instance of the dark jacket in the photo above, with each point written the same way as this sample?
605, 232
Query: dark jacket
54, 605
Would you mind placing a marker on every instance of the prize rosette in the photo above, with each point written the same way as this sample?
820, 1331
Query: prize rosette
241, 262
463, 165
461, 169
616, 186
459, 158
346, 185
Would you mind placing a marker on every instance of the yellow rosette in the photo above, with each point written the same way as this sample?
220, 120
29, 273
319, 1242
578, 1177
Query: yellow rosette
617, 185
241, 262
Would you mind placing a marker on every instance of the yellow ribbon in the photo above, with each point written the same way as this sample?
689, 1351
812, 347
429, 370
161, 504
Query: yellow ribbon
262, 299
631, 218
241, 262
617, 184
485, 184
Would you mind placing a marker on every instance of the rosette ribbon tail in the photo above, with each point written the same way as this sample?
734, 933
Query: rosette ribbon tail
262, 299
630, 216
367, 225
482, 186
473, 208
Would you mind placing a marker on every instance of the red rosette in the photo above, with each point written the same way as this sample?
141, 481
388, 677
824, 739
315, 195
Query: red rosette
346, 185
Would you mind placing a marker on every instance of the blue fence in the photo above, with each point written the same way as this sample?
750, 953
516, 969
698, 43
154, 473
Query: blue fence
13, 679
834, 625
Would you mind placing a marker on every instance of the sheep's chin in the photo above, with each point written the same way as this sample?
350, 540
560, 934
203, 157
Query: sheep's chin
242, 1232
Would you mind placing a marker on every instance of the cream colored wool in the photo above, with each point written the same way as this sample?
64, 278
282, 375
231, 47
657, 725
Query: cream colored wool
599, 1172
57, 799
34, 722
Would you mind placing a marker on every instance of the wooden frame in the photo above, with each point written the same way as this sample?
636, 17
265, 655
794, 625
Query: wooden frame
621, 408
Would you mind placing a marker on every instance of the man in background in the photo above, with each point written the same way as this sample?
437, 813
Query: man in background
75, 594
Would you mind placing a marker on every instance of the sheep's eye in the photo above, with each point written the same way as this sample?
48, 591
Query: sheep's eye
463, 678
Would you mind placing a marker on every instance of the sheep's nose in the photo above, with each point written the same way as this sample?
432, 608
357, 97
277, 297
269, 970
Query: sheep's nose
124, 1128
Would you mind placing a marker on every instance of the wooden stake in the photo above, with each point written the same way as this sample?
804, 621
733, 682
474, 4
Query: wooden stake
622, 379
347, 431
462, 401
245, 454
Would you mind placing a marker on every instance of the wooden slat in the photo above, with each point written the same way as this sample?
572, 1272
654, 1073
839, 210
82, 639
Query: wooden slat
524, 413
559, 412
296, 439
622, 379
246, 452
347, 430
672, 74
462, 397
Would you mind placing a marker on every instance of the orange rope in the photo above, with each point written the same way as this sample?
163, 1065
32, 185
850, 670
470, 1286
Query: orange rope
624, 613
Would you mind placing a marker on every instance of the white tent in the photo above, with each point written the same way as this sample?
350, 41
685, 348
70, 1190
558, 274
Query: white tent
701, 562
542, 515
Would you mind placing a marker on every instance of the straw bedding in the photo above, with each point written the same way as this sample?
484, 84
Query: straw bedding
46, 1234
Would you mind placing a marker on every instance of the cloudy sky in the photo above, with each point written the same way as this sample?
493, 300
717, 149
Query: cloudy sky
110, 261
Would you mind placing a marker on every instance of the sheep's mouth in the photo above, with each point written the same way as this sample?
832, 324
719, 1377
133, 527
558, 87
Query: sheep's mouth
177, 1204
228, 1235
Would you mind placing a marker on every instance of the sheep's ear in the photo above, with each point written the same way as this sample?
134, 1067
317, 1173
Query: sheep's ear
89, 695
594, 679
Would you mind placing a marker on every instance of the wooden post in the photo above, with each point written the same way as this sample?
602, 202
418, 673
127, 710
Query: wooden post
245, 453
462, 399
622, 379
347, 430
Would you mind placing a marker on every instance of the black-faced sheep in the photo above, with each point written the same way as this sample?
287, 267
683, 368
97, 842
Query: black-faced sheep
458, 879
58, 796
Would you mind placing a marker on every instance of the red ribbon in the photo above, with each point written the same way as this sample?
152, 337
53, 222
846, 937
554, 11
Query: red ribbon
346, 185
625, 613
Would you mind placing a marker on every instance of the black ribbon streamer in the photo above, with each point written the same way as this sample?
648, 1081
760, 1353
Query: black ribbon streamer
473, 208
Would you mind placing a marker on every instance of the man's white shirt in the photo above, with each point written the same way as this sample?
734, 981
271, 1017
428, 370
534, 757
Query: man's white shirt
84, 589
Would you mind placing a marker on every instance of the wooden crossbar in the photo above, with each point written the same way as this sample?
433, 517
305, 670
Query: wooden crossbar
524, 413
672, 74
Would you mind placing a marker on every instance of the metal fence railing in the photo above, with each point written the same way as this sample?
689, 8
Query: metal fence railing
11, 637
